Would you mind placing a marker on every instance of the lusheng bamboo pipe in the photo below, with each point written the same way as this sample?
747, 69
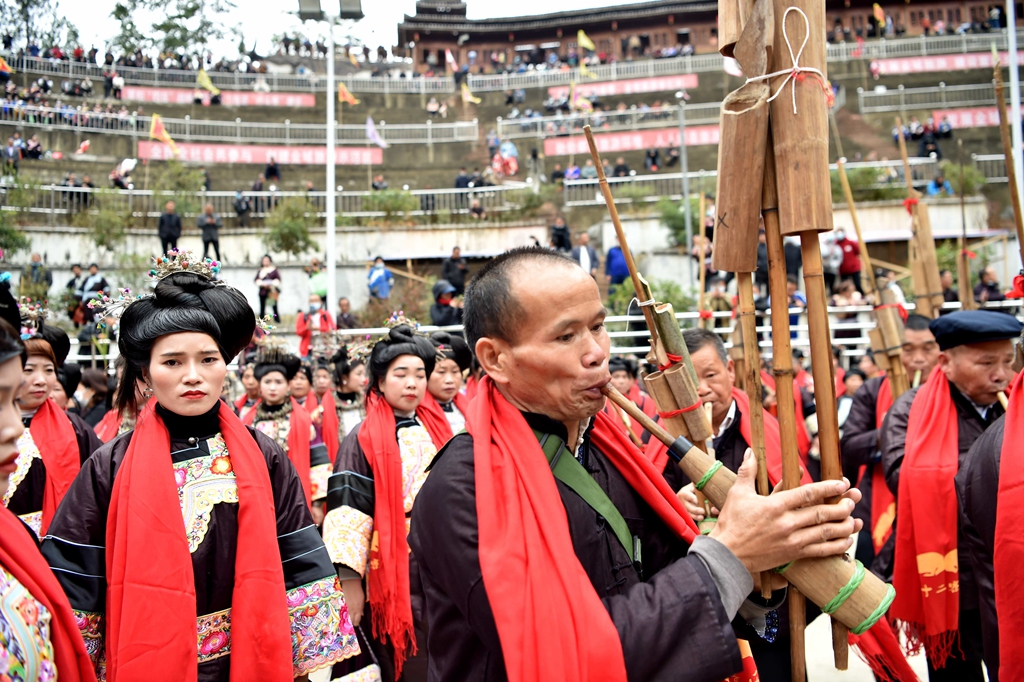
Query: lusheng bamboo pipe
643, 291
963, 266
1008, 153
752, 385
819, 579
782, 368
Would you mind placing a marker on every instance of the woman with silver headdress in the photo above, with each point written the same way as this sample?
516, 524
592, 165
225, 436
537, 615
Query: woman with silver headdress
244, 588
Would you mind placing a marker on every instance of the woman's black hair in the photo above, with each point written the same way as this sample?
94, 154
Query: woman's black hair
340, 366
452, 347
10, 343
621, 363
401, 340
288, 365
182, 302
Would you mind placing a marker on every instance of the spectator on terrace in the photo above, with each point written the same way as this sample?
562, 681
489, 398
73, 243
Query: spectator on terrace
204, 178
987, 289
477, 211
671, 156
210, 224
454, 270
242, 207
652, 159
36, 279
572, 171
379, 184
380, 280
12, 155
589, 170
462, 179
929, 146
258, 202
117, 179
169, 228
433, 106
315, 320
94, 286
940, 186
118, 84
586, 255
447, 309
346, 320
621, 170
615, 269
606, 166
535, 166
493, 142
557, 175
561, 238
272, 171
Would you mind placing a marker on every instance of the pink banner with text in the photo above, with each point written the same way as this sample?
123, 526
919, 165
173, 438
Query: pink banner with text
627, 142
634, 86
229, 98
260, 154
937, 63
977, 117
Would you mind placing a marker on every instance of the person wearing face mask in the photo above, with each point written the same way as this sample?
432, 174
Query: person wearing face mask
39, 634
314, 321
247, 569
54, 444
380, 280
926, 437
445, 383
279, 417
380, 468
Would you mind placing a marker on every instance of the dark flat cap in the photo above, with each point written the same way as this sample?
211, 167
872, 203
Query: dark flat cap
965, 327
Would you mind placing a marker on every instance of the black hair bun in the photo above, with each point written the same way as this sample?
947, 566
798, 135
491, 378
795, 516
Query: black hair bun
453, 347
228, 306
401, 340
58, 340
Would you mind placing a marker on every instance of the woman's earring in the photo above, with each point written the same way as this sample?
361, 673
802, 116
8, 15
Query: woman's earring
148, 392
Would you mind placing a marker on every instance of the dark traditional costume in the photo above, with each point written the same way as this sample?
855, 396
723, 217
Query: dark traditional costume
379, 471
926, 437
340, 411
454, 348
241, 587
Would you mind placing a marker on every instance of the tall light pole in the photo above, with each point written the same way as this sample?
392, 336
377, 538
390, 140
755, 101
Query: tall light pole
1015, 126
332, 129
685, 167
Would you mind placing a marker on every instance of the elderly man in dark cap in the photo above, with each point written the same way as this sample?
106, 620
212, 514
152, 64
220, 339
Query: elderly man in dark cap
925, 440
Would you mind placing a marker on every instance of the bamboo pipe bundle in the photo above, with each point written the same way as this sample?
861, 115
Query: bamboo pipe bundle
923, 261
1009, 155
732, 17
821, 580
680, 376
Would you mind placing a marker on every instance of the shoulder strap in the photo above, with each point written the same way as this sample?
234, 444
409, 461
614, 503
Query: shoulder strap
569, 471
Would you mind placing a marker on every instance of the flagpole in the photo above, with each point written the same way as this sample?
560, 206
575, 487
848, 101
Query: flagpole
332, 275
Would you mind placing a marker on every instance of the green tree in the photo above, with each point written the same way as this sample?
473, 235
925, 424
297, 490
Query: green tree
674, 218
184, 26
178, 182
973, 179
37, 21
12, 240
288, 227
665, 291
392, 202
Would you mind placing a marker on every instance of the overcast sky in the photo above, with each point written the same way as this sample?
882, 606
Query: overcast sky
261, 19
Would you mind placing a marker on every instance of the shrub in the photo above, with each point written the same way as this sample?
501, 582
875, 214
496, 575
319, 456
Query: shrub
973, 179
391, 202
12, 240
288, 227
665, 291
178, 183
674, 218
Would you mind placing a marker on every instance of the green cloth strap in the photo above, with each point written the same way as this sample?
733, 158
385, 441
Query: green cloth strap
569, 471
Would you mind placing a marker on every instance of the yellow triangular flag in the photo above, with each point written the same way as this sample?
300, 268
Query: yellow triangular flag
346, 97
467, 96
584, 41
203, 81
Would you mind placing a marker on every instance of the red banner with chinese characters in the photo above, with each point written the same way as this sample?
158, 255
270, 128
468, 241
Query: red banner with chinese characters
634, 86
631, 141
260, 154
230, 98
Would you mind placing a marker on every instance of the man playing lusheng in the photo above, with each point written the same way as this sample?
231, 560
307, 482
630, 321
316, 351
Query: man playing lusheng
527, 581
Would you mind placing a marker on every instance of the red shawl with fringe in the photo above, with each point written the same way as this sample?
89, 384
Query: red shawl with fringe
20, 557
330, 425
883, 502
389, 556
925, 571
298, 444
149, 567
1008, 553
551, 623
54, 436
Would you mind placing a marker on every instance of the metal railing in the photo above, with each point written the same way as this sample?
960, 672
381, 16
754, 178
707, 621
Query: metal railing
57, 201
365, 83
993, 166
239, 132
669, 185
607, 121
914, 99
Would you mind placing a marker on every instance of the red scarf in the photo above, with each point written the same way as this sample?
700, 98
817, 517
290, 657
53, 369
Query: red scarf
926, 542
1008, 554
472, 386
658, 452
880, 649
240, 405
54, 436
641, 400
151, 597
883, 502
389, 555
108, 427
331, 425
20, 557
431, 405
840, 384
298, 443
530, 571
803, 436
311, 403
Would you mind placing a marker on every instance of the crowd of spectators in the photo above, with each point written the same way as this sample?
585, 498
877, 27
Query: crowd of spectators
931, 22
926, 134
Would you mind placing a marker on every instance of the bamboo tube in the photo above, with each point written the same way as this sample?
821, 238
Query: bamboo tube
738, 359
752, 384
680, 377
923, 260
658, 388
890, 334
819, 579
824, 393
643, 290
702, 295
1009, 154
963, 266
869, 283
782, 369
624, 418
1002, 399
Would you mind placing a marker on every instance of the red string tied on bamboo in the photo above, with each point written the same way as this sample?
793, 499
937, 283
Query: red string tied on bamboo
672, 360
909, 203
705, 315
680, 412
899, 308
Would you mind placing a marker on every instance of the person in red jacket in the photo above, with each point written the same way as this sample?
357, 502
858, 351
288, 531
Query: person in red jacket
850, 267
316, 320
